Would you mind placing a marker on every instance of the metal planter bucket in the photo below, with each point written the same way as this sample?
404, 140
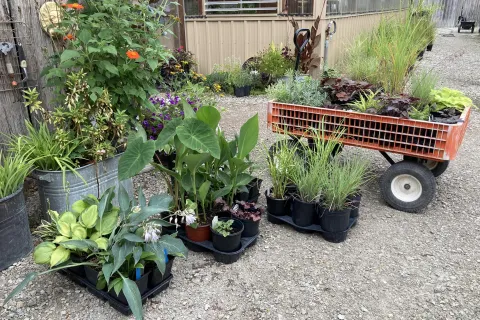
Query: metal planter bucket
99, 177
15, 238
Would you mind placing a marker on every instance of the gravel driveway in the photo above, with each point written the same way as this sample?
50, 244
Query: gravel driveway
394, 265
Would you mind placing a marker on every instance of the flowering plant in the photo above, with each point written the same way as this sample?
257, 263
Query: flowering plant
165, 109
117, 43
179, 69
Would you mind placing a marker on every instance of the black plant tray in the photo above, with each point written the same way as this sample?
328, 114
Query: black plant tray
114, 303
223, 257
335, 237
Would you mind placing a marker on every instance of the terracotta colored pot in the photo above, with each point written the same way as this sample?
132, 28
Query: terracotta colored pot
201, 233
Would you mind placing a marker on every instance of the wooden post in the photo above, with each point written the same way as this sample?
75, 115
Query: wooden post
181, 16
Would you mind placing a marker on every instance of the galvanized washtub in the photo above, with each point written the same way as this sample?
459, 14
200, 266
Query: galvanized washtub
15, 239
99, 177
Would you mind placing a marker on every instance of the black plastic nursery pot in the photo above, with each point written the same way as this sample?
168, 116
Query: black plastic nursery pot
79, 270
156, 276
335, 221
430, 47
277, 207
254, 189
231, 242
241, 196
141, 283
91, 275
242, 91
250, 228
354, 203
303, 212
15, 239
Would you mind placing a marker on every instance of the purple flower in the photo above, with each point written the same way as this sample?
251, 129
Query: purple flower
195, 109
160, 126
182, 113
145, 122
152, 138
167, 117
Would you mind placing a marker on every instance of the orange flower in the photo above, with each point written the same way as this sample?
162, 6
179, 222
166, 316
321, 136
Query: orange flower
75, 6
69, 37
132, 54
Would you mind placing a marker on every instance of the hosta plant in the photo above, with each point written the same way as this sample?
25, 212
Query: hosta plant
450, 98
119, 241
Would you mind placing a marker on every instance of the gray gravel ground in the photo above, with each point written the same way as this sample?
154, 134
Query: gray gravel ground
394, 265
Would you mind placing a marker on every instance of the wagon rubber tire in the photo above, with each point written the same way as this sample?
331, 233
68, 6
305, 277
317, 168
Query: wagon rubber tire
459, 27
408, 186
436, 167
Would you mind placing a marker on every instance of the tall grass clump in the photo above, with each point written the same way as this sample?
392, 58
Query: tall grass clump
13, 170
421, 86
386, 55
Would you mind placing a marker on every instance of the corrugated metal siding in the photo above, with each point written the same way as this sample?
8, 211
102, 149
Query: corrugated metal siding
212, 40
451, 9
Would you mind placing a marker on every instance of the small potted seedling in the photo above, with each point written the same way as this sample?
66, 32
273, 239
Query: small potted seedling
226, 234
249, 214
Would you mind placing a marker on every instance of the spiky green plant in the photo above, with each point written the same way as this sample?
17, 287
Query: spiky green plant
13, 170
422, 84
367, 101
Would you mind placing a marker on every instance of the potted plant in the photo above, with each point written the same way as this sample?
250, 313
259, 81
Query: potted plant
207, 168
226, 234
80, 156
241, 81
15, 241
249, 214
281, 162
340, 184
121, 244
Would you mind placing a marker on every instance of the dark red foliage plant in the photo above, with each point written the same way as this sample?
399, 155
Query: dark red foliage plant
247, 210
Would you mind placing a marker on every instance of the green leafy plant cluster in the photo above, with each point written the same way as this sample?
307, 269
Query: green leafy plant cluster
274, 62
449, 98
281, 164
241, 78
207, 166
116, 240
118, 45
307, 91
13, 170
367, 102
222, 227
421, 86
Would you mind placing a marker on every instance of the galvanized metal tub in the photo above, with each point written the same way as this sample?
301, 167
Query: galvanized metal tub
15, 238
99, 177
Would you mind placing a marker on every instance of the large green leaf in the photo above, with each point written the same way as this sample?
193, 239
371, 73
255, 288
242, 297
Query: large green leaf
123, 199
108, 223
167, 133
187, 110
133, 237
173, 245
30, 276
105, 201
107, 271
198, 136
194, 161
160, 201
248, 137
159, 255
222, 192
203, 190
120, 253
132, 294
89, 217
79, 244
144, 214
209, 115
137, 254
243, 179
85, 35
68, 55
135, 158
59, 255
43, 252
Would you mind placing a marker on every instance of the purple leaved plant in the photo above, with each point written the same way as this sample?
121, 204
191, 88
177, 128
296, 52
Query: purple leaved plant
247, 211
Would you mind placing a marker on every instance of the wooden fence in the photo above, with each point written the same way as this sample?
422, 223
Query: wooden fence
450, 10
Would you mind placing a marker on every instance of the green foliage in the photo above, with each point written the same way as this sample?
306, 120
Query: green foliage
116, 240
307, 91
367, 102
420, 113
102, 35
343, 179
385, 55
14, 168
222, 227
241, 78
207, 166
422, 84
450, 98
281, 164
274, 63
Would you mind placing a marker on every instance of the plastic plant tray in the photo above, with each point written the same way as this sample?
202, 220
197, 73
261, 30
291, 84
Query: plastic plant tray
416, 138
114, 303
335, 237
223, 257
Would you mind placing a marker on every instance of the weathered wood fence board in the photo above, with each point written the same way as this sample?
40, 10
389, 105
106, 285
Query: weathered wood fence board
450, 10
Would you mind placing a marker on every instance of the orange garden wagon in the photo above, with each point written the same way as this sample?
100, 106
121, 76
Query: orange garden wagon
427, 147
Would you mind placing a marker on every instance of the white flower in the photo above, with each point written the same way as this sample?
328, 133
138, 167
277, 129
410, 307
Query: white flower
152, 232
189, 219
254, 72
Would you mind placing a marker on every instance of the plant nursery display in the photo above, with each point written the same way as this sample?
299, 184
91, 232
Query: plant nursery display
250, 214
226, 234
118, 46
81, 153
206, 166
15, 240
119, 248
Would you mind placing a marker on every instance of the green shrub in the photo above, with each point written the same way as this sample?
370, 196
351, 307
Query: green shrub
306, 91
274, 63
13, 170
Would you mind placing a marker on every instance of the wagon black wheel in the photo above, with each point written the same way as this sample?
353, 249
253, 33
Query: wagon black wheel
408, 186
473, 29
436, 167
459, 27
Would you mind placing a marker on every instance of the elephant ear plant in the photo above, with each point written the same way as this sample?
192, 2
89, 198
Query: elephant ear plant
116, 240
207, 166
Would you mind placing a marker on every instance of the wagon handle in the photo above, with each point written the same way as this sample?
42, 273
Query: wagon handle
301, 47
